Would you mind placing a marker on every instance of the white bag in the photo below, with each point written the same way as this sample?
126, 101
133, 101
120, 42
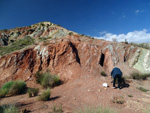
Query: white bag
105, 85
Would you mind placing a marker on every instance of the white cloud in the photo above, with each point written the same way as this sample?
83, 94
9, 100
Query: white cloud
142, 36
138, 11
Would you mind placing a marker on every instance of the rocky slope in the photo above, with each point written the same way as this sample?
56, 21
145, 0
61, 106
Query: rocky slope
65, 53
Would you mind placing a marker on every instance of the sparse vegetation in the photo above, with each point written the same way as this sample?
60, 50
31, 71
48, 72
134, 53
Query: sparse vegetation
33, 92
142, 89
13, 88
10, 108
56, 109
95, 110
70, 33
42, 24
82, 35
42, 38
45, 96
139, 76
45, 43
142, 45
118, 100
5, 89
130, 95
147, 110
17, 45
103, 73
47, 80
4, 30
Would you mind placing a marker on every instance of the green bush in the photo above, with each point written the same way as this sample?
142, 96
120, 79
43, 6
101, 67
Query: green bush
18, 87
47, 80
33, 92
45, 96
103, 73
70, 33
56, 109
13, 88
5, 88
139, 76
10, 108
17, 45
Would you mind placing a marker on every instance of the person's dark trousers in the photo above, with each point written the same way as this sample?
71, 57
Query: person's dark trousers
119, 80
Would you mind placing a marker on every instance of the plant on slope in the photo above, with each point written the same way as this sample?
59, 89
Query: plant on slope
33, 92
5, 88
13, 88
10, 108
47, 80
139, 76
142, 89
103, 73
17, 45
142, 45
118, 100
45, 96
56, 109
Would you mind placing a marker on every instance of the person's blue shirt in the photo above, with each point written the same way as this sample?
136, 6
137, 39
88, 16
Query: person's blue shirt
116, 71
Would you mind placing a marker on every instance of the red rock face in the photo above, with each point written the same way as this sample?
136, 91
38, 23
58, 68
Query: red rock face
70, 58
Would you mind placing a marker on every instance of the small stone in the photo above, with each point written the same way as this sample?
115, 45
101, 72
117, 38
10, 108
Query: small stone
74, 98
88, 90
99, 90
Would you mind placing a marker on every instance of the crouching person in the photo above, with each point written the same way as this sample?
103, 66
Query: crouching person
116, 74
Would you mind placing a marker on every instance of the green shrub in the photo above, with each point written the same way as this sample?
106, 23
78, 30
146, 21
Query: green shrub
47, 80
130, 96
10, 108
56, 109
142, 89
33, 92
42, 24
70, 33
18, 87
5, 88
13, 88
17, 45
95, 110
139, 76
103, 73
45, 96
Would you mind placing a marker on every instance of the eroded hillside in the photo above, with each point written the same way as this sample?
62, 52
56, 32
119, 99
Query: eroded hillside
65, 53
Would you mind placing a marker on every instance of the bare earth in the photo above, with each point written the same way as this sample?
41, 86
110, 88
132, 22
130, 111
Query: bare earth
87, 91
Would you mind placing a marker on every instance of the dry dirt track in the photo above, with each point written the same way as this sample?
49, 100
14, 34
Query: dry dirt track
87, 91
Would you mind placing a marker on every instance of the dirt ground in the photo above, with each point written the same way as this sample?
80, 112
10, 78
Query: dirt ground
87, 91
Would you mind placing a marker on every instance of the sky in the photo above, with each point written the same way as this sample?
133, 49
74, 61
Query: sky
102, 19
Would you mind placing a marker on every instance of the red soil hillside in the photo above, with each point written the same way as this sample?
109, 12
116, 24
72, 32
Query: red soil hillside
79, 61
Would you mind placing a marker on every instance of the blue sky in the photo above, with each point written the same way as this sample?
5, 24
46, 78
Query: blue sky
105, 19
